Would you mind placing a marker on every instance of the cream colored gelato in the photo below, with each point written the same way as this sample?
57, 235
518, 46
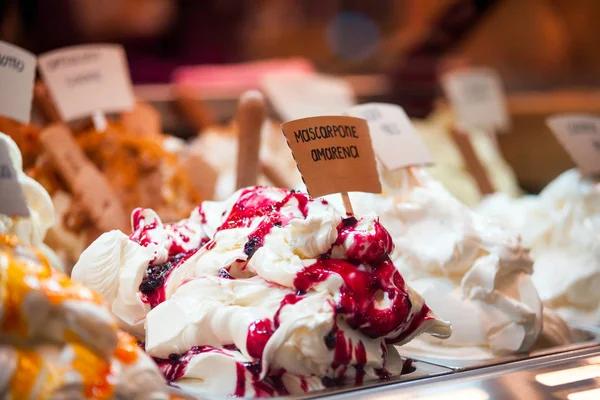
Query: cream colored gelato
562, 227
475, 274
30, 230
58, 340
450, 168
265, 293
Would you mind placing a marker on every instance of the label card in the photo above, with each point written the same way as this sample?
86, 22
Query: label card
334, 154
478, 99
202, 176
12, 199
143, 121
307, 95
17, 73
395, 141
84, 179
88, 78
579, 134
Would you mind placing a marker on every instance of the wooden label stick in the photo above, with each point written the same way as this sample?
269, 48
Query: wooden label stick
478, 102
84, 179
473, 164
347, 203
250, 117
43, 101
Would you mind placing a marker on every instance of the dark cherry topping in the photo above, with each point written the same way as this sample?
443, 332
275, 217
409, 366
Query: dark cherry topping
224, 274
330, 340
152, 286
349, 221
253, 244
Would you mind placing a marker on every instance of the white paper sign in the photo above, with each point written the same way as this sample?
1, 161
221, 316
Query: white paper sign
579, 134
12, 199
477, 98
395, 141
296, 96
17, 73
87, 79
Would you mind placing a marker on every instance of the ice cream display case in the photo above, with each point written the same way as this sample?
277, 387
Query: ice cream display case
354, 201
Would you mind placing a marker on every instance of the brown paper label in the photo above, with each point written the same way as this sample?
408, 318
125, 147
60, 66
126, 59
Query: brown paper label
395, 141
202, 176
88, 78
12, 199
17, 72
84, 179
334, 154
478, 99
579, 134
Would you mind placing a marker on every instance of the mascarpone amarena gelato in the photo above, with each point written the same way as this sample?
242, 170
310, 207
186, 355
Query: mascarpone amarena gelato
30, 230
58, 340
474, 273
266, 293
562, 227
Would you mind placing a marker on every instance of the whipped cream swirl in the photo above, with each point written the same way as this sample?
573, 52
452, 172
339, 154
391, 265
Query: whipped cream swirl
266, 293
30, 230
474, 273
562, 227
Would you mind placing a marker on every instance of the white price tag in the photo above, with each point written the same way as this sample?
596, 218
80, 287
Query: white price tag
12, 199
477, 98
87, 79
395, 141
579, 134
17, 72
296, 96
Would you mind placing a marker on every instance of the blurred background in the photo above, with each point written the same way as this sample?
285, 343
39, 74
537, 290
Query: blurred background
546, 51
533, 44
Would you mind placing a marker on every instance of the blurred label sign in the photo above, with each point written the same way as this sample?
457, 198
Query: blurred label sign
334, 154
87, 79
202, 175
17, 73
395, 141
297, 96
579, 134
12, 199
477, 98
